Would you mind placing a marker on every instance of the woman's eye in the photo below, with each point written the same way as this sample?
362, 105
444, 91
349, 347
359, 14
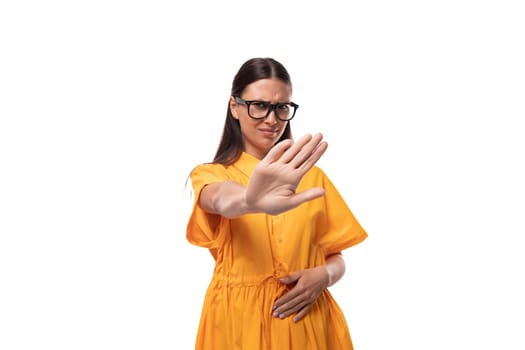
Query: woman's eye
260, 105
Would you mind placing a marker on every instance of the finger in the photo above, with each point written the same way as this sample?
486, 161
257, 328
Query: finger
300, 315
276, 151
305, 196
290, 308
314, 156
286, 298
293, 277
297, 146
307, 150
289, 301
292, 293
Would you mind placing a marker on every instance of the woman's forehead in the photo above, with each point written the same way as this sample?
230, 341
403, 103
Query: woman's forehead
268, 90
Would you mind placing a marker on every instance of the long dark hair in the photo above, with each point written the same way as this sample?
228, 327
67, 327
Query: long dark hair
231, 145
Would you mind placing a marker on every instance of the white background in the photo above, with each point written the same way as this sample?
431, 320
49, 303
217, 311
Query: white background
105, 107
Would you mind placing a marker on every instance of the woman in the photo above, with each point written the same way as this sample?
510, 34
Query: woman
274, 223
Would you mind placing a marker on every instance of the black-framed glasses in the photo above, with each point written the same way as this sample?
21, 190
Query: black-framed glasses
262, 109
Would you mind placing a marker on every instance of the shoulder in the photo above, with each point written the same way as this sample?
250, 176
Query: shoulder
208, 169
317, 171
315, 175
206, 173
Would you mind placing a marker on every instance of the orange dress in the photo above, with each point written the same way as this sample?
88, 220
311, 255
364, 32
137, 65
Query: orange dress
253, 251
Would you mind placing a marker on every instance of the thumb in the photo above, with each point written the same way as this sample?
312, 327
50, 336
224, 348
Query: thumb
308, 195
291, 278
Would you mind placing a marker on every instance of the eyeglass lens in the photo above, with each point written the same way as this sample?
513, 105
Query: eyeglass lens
261, 109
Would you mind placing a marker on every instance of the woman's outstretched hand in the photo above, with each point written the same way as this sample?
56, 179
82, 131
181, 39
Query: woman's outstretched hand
272, 186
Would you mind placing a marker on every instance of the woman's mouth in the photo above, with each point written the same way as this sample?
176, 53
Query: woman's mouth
269, 132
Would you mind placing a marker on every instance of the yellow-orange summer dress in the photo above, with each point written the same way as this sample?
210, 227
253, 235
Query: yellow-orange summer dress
253, 251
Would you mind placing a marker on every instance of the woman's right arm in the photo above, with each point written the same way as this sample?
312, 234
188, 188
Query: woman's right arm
272, 186
224, 198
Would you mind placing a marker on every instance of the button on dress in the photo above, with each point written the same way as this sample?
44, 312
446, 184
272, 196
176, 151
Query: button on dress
253, 251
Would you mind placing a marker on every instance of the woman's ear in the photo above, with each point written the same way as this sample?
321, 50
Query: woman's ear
233, 107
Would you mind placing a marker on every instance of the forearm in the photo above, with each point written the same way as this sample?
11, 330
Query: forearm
336, 267
224, 198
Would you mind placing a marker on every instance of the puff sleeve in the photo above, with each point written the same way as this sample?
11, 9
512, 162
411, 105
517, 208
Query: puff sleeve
204, 229
341, 229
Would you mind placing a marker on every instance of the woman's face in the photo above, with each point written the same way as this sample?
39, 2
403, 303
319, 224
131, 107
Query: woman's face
260, 135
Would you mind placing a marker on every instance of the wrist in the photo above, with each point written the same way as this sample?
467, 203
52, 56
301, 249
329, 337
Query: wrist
245, 207
331, 273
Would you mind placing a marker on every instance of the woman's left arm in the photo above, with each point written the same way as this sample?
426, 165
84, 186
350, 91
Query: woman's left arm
309, 284
336, 267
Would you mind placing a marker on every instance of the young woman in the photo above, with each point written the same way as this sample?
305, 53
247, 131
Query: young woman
274, 223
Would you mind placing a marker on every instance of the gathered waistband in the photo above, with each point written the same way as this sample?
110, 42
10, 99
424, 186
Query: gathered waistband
245, 281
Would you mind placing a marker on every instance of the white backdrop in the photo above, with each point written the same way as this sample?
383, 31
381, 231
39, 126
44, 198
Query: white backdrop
105, 107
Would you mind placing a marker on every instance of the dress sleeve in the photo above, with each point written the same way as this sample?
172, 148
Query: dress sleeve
204, 229
342, 228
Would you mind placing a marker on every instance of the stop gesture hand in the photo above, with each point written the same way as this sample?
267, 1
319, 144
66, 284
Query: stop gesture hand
272, 186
